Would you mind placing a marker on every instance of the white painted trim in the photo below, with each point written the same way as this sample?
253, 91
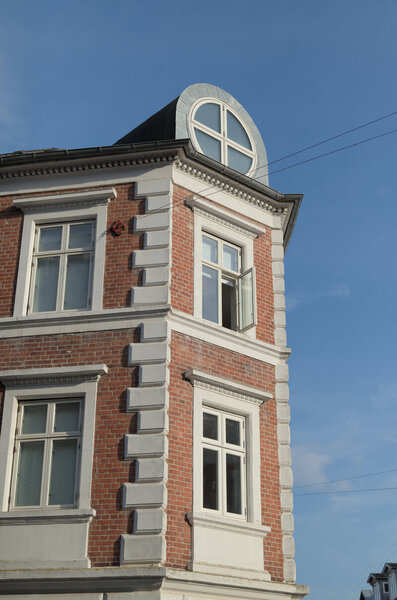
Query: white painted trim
249, 410
226, 338
64, 200
227, 218
46, 516
63, 213
46, 384
227, 386
225, 524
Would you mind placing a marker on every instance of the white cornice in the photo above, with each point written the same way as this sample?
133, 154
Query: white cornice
84, 165
54, 375
218, 184
69, 200
225, 338
219, 215
229, 387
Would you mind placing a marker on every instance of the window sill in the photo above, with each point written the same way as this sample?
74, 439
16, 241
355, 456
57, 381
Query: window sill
46, 516
227, 524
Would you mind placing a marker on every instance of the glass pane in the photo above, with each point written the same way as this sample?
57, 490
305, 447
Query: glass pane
34, 418
210, 426
29, 474
229, 304
46, 284
236, 132
238, 161
67, 416
63, 472
210, 479
210, 249
50, 238
233, 432
80, 236
209, 145
233, 483
230, 258
246, 300
209, 114
77, 281
210, 294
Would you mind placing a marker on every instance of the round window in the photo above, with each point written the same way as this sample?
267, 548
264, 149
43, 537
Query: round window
220, 135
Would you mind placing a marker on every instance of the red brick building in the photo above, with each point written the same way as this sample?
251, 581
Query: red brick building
145, 420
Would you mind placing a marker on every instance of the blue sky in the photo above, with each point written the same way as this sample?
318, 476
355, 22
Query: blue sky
83, 73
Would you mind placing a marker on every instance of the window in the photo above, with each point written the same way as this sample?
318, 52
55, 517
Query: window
386, 588
223, 460
46, 454
62, 256
62, 267
227, 294
220, 135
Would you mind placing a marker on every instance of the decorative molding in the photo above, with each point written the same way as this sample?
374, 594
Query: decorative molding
232, 189
233, 525
86, 166
227, 219
212, 382
56, 375
36, 517
32, 204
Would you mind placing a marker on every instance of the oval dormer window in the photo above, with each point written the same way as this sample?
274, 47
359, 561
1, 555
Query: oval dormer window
219, 134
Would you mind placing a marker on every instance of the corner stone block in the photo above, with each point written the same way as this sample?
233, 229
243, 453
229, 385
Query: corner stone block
150, 469
149, 595
155, 276
149, 521
279, 300
155, 329
152, 221
278, 285
157, 239
286, 479
279, 318
147, 296
281, 372
283, 413
149, 352
146, 398
284, 455
282, 392
283, 434
158, 203
277, 236
153, 187
155, 257
139, 495
286, 501
153, 374
278, 268
151, 421
277, 252
136, 549
289, 570
136, 445
280, 336
287, 523
288, 546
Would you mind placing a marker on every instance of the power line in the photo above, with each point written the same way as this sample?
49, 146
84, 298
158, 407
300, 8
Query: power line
346, 491
344, 479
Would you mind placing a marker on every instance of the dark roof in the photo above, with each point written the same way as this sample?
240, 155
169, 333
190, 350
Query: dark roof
160, 126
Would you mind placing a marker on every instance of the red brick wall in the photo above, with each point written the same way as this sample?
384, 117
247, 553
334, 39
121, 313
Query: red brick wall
110, 472
186, 353
182, 272
119, 275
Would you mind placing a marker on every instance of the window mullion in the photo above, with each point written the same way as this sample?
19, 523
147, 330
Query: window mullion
61, 281
45, 480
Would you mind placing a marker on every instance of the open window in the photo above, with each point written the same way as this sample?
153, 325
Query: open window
227, 292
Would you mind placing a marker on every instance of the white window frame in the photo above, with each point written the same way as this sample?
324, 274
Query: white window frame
88, 205
47, 437
222, 448
221, 136
231, 228
78, 382
236, 399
